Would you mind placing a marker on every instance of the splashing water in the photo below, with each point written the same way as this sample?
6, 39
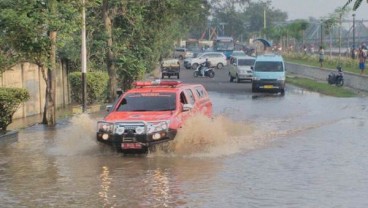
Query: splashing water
205, 137
77, 138
200, 137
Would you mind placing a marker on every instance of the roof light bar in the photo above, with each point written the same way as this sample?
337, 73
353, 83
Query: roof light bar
157, 82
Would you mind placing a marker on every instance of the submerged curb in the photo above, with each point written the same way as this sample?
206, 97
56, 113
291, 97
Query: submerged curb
9, 136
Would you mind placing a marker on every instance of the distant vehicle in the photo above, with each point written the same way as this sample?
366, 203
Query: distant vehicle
182, 53
205, 70
192, 45
269, 74
238, 53
225, 45
336, 78
241, 68
217, 59
170, 67
151, 113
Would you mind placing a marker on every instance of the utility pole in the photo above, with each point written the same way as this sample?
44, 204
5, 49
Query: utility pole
321, 33
84, 59
264, 23
353, 49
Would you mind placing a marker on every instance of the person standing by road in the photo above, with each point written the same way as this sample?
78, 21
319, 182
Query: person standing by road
362, 55
321, 53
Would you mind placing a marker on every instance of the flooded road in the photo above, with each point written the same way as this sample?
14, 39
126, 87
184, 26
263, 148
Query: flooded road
298, 150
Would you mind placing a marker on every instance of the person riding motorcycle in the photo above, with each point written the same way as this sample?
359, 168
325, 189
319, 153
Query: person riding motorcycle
203, 65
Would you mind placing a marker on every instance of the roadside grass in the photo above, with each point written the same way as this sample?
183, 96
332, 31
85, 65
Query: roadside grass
320, 87
330, 62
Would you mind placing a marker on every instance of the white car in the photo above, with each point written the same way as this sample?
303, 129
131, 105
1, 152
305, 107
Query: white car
216, 59
182, 53
240, 68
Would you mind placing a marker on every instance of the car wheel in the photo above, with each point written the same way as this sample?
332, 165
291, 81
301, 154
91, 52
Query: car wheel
231, 78
194, 66
220, 65
237, 80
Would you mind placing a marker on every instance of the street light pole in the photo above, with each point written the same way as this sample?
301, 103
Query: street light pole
353, 49
84, 59
321, 33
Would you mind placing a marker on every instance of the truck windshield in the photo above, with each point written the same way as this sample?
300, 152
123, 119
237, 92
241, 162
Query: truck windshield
150, 101
268, 66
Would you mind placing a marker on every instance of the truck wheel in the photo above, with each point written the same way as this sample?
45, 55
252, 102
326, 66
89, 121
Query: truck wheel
194, 66
254, 89
282, 91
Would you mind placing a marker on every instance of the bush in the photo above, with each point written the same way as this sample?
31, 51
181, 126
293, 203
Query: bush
10, 100
96, 86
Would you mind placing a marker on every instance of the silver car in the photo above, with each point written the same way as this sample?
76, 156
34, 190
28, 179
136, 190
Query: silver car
240, 68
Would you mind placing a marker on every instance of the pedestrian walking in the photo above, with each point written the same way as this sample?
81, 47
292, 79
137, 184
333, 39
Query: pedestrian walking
321, 53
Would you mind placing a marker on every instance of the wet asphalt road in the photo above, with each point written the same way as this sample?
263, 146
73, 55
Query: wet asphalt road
299, 150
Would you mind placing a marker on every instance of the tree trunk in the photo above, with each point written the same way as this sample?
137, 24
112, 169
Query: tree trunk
49, 113
112, 85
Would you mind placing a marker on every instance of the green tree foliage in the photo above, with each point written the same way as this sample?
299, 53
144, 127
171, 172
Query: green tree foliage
141, 33
357, 4
96, 86
30, 28
245, 19
10, 100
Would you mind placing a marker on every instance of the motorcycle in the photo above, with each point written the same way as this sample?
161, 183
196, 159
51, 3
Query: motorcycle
208, 71
336, 78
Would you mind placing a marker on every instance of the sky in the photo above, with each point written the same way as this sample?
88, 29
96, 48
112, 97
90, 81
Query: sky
303, 9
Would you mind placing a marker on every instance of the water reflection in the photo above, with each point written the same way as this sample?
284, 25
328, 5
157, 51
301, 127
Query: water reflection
106, 181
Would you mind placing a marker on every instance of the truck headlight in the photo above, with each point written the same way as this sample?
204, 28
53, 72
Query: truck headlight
139, 130
157, 126
103, 126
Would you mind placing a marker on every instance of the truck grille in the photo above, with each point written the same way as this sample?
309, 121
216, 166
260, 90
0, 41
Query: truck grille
130, 126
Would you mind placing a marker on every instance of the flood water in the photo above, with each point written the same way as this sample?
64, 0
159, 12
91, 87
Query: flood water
300, 150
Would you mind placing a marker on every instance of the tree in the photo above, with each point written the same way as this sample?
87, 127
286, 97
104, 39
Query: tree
356, 4
29, 28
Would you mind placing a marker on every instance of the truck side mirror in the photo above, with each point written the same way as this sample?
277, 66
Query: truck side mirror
119, 92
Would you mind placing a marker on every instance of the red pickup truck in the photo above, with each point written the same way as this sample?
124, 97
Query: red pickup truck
151, 113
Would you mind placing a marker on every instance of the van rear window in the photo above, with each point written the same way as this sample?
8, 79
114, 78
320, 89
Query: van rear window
246, 62
268, 66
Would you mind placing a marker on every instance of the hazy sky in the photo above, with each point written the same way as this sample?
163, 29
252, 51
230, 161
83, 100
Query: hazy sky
303, 9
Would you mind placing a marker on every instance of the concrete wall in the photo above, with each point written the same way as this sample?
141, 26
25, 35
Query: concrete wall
28, 76
355, 81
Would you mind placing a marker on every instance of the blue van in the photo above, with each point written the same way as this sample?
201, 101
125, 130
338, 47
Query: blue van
269, 74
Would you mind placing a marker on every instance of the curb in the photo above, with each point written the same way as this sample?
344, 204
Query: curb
9, 136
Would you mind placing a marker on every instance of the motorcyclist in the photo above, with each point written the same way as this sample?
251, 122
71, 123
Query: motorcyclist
203, 65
